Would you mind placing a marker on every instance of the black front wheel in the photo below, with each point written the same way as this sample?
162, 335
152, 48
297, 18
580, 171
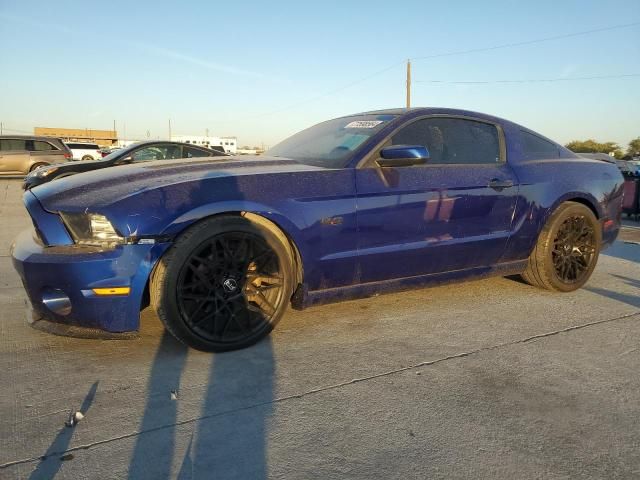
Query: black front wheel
224, 284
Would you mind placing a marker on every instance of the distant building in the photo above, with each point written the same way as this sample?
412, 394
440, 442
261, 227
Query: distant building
104, 138
230, 144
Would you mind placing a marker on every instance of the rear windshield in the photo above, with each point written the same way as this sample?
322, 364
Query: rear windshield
333, 143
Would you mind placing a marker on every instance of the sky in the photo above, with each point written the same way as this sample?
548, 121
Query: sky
263, 70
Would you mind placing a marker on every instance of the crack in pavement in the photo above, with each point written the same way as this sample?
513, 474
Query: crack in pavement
322, 389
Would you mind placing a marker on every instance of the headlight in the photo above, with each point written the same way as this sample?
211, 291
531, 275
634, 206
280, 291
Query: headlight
44, 171
91, 229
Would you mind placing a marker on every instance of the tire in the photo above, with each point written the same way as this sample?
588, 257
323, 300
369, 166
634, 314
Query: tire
224, 284
35, 166
567, 249
87, 157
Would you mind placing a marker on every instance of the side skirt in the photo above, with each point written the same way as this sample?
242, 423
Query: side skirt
303, 298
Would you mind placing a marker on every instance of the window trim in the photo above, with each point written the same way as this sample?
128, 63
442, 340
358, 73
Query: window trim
368, 161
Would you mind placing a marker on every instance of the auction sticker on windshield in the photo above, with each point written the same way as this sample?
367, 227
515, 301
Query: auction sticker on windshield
363, 124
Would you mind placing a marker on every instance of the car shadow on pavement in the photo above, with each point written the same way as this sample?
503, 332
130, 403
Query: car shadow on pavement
220, 426
633, 300
155, 445
52, 459
226, 436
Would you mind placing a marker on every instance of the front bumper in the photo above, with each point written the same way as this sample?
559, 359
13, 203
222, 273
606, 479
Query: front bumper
72, 272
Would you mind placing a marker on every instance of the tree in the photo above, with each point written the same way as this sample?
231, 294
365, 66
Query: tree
634, 147
591, 146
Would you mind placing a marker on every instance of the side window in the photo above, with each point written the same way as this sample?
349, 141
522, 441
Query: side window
149, 153
157, 152
40, 146
172, 151
453, 140
534, 147
194, 152
13, 145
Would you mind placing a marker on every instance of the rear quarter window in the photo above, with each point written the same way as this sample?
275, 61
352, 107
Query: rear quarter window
535, 147
40, 146
190, 152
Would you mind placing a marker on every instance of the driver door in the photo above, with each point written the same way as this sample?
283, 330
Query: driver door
451, 213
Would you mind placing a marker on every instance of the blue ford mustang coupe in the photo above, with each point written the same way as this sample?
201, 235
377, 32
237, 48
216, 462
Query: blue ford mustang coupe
362, 204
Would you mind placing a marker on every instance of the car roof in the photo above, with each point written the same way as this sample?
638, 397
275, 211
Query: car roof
156, 142
31, 137
415, 111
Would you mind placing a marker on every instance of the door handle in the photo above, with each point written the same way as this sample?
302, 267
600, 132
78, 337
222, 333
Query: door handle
499, 185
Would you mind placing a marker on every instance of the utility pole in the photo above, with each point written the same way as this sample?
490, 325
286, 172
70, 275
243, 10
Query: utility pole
207, 132
1, 126
169, 129
408, 83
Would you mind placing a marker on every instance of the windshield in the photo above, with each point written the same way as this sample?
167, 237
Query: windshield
333, 143
119, 151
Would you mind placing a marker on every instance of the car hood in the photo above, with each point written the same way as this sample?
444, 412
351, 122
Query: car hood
72, 166
100, 188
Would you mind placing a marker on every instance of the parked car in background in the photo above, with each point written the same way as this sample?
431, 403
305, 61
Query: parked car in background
84, 151
634, 166
626, 167
351, 207
21, 154
138, 152
108, 150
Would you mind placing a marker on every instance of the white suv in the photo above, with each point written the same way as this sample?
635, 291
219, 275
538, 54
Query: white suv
84, 151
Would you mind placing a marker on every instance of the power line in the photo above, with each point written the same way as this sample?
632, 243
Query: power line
446, 54
14, 130
527, 42
531, 80
331, 92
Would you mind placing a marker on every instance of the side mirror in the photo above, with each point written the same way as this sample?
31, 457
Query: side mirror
125, 161
403, 156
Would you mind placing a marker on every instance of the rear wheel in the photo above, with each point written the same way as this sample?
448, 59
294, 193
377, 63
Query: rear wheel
223, 285
87, 157
567, 249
